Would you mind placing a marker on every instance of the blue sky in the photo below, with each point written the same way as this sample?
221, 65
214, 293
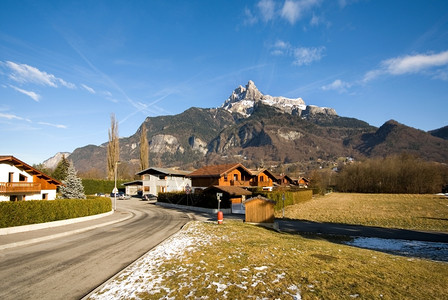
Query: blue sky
65, 66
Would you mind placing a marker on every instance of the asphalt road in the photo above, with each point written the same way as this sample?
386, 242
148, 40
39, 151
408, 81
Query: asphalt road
72, 266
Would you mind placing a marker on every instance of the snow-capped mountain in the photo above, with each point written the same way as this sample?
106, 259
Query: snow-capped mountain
243, 99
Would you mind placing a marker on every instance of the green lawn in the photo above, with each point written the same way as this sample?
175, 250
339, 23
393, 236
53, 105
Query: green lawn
421, 212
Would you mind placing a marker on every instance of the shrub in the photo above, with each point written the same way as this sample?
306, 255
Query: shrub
92, 186
291, 197
39, 211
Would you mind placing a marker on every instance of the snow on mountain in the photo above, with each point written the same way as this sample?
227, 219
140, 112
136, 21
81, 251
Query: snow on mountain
243, 99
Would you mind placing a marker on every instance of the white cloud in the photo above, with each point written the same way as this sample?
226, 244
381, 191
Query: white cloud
415, 63
411, 64
13, 117
267, 9
293, 11
249, 19
52, 125
30, 94
337, 85
27, 74
305, 56
301, 55
88, 88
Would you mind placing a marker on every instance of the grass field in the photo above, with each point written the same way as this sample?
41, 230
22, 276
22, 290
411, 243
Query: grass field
421, 212
241, 261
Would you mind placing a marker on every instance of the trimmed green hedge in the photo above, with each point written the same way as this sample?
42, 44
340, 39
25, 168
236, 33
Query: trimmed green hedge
291, 197
40, 211
93, 186
209, 201
197, 200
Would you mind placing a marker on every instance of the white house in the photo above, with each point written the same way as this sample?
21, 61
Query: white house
161, 180
19, 181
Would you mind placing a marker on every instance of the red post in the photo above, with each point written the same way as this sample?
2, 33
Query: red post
220, 217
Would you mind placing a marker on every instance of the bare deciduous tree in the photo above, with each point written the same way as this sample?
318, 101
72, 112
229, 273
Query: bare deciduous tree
113, 148
144, 149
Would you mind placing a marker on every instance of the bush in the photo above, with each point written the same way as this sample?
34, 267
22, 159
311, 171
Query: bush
403, 174
39, 211
197, 200
291, 197
93, 186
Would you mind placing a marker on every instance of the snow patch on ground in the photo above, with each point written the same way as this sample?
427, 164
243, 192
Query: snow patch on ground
146, 274
428, 250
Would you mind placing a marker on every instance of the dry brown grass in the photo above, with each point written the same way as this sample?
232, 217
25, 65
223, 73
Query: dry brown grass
246, 261
421, 212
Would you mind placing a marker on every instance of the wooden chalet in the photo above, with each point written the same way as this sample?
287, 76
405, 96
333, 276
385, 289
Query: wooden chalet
20, 181
263, 178
221, 175
285, 180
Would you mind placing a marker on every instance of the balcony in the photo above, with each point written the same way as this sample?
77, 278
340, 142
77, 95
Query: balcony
19, 187
240, 182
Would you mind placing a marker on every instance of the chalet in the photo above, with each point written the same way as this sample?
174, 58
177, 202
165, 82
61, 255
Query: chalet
263, 178
303, 182
285, 180
221, 175
161, 180
19, 181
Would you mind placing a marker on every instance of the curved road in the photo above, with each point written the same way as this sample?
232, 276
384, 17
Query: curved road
72, 266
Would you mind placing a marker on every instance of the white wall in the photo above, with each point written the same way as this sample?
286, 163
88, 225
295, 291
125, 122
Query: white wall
5, 169
170, 184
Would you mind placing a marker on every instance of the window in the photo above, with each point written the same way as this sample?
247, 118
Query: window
45, 196
11, 177
235, 177
22, 178
225, 177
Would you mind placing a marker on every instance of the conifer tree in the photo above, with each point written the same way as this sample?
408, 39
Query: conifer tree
61, 170
72, 188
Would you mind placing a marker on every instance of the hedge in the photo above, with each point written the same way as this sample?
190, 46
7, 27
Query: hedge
291, 197
197, 200
209, 201
93, 186
41, 211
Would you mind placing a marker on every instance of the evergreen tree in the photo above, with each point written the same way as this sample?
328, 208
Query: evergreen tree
61, 170
72, 188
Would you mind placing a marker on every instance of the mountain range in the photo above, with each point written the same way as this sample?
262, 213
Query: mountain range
279, 133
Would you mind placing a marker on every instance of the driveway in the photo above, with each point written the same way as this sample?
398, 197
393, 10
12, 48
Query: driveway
70, 267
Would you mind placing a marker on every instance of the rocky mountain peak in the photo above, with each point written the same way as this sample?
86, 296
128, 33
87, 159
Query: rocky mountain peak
243, 99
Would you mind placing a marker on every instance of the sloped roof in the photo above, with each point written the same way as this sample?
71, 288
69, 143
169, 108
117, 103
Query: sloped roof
231, 190
135, 182
27, 168
266, 171
260, 198
164, 171
217, 170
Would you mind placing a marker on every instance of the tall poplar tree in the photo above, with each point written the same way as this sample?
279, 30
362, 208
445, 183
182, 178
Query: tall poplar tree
113, 148
144, 149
